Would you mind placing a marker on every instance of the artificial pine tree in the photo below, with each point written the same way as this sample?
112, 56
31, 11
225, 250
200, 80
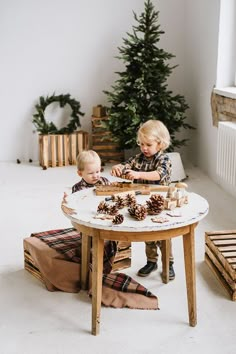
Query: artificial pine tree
141, 92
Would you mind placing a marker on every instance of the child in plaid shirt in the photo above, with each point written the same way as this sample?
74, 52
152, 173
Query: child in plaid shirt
151, 166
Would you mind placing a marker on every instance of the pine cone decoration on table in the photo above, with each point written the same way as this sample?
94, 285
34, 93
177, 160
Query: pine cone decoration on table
118, 219
155, 204
120, 202
103, 208
138, 211
113, 210
130, 199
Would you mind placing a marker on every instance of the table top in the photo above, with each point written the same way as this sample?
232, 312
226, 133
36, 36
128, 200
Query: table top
84, 204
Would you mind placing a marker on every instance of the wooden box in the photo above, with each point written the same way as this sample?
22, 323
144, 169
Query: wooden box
99, 111
102, 142
123, 256
220, 255
61, 149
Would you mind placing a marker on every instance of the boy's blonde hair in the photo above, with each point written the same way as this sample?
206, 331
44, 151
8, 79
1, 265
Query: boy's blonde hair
86, 157
154, 130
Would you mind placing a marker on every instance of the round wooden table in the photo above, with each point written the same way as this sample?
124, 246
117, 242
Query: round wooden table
81, 208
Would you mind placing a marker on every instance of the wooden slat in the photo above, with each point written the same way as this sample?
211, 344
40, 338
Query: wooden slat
73, 148
222, 232
232, 260
227, 248
60, 150
122, 255
229, 254
66, 149
224, 242
86, 141
123, 245
79, 143
45, 161
53, 150
122, 264
40, 150
109, 147
223, 237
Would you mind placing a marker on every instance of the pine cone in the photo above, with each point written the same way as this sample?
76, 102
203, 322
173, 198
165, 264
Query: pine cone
131, 210
120, 202
113, 210
130, 199
155, 204
103, 208
138, 211
118, 219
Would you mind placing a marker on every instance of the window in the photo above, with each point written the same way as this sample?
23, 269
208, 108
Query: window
226, 61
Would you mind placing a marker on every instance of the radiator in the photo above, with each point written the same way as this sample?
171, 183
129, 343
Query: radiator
226, 153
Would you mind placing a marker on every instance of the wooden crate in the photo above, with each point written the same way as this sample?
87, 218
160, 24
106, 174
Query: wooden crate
102, 142
220, 255
61, 149
123, 256
30, 266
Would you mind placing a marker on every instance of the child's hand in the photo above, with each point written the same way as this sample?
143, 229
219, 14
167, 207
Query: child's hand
116, 170
130, 174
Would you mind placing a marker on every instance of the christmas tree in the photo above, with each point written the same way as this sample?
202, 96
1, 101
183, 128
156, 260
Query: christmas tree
141, 93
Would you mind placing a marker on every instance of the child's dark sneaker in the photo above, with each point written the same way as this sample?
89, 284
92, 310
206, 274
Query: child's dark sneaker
171, 271
147, 269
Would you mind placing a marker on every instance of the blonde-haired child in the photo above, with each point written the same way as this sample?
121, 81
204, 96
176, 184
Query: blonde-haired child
89, 169
151, 166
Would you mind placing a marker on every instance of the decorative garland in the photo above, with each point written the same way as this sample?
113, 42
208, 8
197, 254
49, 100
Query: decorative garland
44, 127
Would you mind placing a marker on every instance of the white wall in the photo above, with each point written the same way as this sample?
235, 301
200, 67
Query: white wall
67, 46
202, 25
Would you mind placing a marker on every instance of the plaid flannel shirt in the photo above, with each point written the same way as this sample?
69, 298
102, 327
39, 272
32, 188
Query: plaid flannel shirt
83, 184
159, 162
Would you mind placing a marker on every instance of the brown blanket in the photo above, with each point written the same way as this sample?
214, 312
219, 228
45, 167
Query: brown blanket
58, 261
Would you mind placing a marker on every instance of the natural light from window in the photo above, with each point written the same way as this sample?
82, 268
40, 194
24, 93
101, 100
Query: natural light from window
226, 60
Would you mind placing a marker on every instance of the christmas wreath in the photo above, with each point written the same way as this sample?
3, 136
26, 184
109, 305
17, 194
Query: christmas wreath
44, 127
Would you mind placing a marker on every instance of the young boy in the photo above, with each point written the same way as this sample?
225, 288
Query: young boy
89, 169
151, 166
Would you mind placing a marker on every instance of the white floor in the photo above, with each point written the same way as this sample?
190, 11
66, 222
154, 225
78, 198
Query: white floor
33, 320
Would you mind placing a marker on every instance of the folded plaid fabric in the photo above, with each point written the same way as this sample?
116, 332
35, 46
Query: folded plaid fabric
124, 283
68, 242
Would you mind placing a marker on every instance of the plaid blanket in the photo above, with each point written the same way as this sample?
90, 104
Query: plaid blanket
124, 283
68, 242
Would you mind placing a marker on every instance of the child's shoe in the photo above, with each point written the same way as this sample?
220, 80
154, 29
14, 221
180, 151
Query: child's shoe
171, 271
147, 269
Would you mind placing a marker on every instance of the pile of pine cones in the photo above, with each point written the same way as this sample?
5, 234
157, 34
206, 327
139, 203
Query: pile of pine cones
153, 206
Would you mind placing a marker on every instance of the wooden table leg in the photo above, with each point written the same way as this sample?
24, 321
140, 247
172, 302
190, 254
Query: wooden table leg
165, 256
85, 257
190, 274
97, 271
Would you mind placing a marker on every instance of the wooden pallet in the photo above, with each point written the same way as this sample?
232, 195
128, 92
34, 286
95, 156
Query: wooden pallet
61, 149
102, 141
220, 255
